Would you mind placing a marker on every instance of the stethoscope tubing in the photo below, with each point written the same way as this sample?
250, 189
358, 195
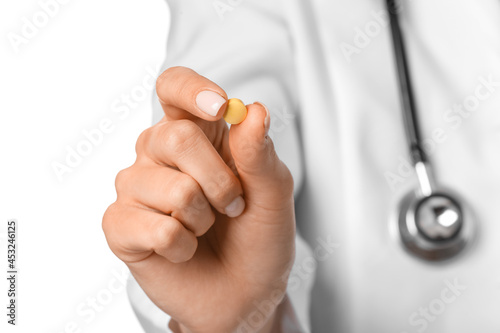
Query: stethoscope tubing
407, 97
421, 163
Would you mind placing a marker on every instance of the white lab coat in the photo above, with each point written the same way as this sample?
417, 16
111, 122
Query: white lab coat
326, 70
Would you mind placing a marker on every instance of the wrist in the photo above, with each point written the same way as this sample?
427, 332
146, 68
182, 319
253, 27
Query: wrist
265, 317
252, 324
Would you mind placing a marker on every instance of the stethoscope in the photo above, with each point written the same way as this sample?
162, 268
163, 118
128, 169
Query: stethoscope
434, 223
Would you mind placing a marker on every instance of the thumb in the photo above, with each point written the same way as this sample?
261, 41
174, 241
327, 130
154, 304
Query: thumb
266, 180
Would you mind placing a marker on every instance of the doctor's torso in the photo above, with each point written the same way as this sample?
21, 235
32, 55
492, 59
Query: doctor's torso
373, 284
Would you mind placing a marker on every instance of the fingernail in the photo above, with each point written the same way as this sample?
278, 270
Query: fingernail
267, 120
209, 102
236, 207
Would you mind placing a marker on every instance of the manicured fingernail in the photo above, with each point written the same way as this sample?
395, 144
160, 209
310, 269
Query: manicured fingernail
267, 120
209, 102
236, 207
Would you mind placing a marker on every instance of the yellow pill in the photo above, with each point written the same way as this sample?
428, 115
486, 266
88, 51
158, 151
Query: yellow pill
236, 111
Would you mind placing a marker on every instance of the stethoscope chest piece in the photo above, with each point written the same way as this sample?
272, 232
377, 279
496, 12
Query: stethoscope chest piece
435, 227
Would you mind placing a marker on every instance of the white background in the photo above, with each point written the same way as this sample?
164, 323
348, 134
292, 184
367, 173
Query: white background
63, 80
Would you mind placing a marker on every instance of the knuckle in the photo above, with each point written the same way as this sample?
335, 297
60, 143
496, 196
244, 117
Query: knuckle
206, 221
109, 226
166, 235
164, 77
221, 187
219, 195
172, 74
180, 136
186, 193
108, 218
123, 179
199, 204
143, 139
186, 127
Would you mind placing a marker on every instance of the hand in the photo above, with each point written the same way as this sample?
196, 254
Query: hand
204, 218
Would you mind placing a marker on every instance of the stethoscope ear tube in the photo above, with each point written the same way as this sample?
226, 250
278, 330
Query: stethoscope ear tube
406, 90
433, 224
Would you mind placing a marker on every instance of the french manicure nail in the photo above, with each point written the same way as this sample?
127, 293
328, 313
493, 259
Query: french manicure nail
209, 102
236, 207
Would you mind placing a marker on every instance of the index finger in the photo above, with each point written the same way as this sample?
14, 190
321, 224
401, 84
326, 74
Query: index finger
184, 94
